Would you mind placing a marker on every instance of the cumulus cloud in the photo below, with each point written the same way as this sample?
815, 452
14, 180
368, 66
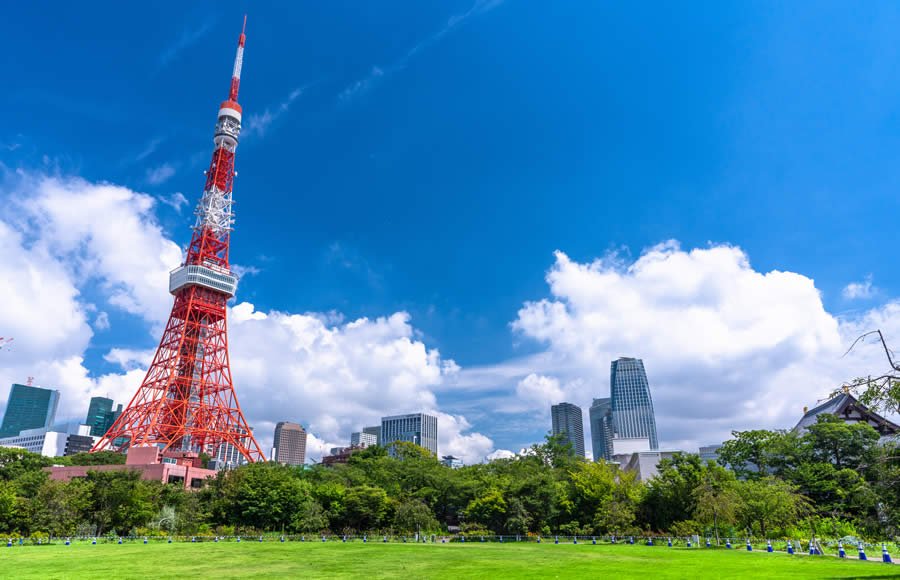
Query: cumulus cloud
99, 233
335, 377
64, 235
500, 454
539, 392
859, 290
725, 346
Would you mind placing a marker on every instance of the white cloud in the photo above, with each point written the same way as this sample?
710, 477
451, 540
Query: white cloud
335, 377
362, 86
176, 201
101, 321
258, 124
725, 347
500, 454
859, 290
99, 232
160, 174
539, 391
454, 439
61, 235
241, 271
149, 148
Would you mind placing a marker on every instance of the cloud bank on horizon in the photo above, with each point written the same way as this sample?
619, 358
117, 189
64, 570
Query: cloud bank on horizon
726, 347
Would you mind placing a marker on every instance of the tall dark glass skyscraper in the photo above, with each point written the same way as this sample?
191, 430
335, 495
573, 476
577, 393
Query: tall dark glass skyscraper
568, 421
101, 415
601, 428
28, 408
632, 407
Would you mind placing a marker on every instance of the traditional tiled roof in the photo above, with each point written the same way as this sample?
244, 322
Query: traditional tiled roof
842, 405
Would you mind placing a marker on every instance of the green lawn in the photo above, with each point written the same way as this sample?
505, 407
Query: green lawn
374, 560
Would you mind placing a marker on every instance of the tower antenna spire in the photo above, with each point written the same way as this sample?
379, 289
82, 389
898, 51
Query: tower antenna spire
238, 62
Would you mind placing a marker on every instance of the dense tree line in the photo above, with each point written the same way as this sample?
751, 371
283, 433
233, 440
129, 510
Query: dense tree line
835, 480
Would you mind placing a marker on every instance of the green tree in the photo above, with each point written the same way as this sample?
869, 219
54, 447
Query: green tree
749, 453
120, 501
489, 510
264, 496
414, 516
669, 497
365, 507
311, 517
768, 504
841, 444
8, 506
58, 507
716, 497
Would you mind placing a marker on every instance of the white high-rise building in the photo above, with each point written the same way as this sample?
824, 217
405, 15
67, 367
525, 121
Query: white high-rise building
418, 428
363, 439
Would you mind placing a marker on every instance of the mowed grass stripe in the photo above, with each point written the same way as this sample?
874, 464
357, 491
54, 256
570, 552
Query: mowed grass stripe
375, 560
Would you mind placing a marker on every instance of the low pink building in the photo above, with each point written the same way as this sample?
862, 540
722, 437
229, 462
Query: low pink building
179, 467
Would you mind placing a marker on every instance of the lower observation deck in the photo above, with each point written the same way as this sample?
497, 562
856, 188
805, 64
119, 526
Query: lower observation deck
196, 275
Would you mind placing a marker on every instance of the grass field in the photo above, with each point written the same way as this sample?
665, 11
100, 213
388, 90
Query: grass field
374, 560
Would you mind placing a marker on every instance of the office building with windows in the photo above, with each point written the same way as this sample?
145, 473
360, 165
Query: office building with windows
631, 405
452, 461
28, 408
60, 440
101, 415
290, 443
363, 439
710, 452
374, 430
600, 416
418, 428
568, 420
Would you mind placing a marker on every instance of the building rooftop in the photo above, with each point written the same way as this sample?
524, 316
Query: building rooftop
848, 408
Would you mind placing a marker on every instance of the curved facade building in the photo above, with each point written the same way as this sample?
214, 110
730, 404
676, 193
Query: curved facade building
631, 405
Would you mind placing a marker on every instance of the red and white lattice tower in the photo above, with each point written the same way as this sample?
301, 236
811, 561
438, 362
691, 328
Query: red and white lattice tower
187, 400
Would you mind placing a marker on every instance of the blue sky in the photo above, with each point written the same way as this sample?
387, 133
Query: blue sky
430, 157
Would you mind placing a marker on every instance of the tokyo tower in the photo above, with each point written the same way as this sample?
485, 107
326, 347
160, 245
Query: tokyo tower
187, 402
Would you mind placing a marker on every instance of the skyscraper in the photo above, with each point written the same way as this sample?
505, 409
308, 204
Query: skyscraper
363, 439
28, 408
632, 407
374, 430
290, 443
101, 415
418, 428
600, 415
568, 420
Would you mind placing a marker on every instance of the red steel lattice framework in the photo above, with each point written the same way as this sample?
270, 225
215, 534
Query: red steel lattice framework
187, 400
